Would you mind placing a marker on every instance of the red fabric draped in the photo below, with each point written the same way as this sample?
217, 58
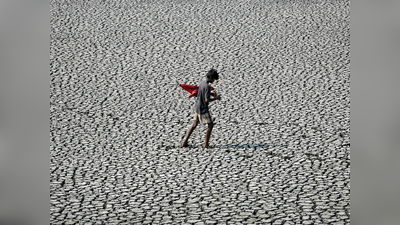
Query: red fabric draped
192, 89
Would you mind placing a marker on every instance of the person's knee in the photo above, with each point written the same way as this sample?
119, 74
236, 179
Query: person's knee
210, 125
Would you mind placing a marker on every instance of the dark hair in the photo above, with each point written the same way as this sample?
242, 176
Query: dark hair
212, 74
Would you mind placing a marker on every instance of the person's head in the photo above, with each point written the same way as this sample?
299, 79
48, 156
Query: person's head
212, 75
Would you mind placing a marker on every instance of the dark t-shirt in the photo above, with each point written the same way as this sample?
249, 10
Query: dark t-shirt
201, 106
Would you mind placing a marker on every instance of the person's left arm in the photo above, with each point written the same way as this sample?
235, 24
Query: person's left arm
208, 97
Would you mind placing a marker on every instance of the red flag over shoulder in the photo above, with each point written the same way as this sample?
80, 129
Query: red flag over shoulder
192, 89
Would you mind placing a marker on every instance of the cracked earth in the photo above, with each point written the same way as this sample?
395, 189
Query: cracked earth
117, 118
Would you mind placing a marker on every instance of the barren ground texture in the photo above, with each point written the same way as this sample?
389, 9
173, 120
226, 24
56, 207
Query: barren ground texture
117, 118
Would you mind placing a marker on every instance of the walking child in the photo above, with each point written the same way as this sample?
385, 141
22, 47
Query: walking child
202, 114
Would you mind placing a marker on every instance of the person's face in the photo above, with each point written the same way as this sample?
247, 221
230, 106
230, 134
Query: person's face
212, 80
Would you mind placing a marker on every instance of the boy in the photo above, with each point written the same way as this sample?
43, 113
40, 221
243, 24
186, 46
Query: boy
202, 114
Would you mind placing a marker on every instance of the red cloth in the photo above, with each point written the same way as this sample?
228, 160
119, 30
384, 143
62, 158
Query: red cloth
192, 89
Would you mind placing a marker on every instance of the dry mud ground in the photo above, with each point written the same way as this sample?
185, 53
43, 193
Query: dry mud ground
117, 118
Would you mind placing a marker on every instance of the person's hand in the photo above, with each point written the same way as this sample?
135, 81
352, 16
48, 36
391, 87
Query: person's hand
218, 97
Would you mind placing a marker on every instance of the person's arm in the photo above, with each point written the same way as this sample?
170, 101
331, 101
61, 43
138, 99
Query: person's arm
208, 98
212, 99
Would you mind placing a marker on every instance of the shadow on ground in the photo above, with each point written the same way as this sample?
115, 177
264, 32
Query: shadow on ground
249, 146
238, 146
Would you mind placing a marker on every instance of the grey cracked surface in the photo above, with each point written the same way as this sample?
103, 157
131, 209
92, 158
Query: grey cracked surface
117, 119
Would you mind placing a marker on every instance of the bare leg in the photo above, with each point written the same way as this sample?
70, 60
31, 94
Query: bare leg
208, 134
191, 129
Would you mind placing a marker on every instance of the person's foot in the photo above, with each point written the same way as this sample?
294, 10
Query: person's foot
207, 147
185, 144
